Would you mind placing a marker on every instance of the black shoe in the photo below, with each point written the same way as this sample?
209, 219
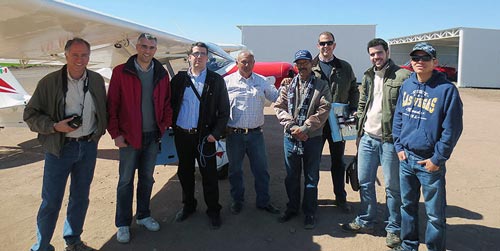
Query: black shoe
309, 222
236, 207
215, 222
270, 209
183, 215
346, 208
288, 215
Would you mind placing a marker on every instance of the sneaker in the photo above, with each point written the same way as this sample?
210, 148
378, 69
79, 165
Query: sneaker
79, 247
123, 234
354, 227
236, 207
392, 240
398, 248
309, 222
149, 223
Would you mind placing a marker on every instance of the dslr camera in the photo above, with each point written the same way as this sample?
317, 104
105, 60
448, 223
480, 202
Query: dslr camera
75, 122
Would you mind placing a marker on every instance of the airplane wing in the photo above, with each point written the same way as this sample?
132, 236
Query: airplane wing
39, 29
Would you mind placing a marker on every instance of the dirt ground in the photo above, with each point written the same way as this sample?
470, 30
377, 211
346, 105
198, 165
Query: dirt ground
473, 191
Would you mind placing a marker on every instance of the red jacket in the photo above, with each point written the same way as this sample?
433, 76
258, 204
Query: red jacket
124, 102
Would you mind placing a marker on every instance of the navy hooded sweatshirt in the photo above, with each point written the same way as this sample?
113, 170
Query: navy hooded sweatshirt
428, 118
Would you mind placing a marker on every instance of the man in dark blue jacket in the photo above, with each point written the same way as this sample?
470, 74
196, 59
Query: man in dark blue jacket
427, 125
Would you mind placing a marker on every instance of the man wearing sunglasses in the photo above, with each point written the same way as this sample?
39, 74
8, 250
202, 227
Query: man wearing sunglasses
201, 111
342, 81
139, 113
427, 125
378, 95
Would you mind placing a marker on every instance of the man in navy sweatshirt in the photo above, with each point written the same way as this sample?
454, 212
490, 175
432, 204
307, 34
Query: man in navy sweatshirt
427, 125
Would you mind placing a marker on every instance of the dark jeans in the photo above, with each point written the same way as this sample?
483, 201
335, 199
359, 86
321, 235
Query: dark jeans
187, 151
338, 167
144, 161
78, 160
294, 163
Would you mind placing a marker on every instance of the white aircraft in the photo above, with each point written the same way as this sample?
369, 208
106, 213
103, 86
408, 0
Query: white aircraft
13, 98
37, 30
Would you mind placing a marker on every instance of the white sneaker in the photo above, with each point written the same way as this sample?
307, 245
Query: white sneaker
149, 223
123, 234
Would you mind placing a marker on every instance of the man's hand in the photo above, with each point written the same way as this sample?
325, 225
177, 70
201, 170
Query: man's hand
286, 81
429, 166
120, 141
298, 134
62, 126
401, 155
211, 138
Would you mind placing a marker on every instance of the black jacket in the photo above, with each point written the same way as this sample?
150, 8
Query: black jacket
214, 103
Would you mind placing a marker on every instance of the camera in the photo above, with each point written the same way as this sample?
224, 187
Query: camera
75, 122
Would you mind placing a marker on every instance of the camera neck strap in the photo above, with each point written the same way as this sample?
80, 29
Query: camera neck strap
65, 87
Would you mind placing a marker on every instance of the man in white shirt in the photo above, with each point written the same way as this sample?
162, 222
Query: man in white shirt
248, 92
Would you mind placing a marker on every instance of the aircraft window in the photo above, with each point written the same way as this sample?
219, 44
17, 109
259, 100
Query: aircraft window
215, 62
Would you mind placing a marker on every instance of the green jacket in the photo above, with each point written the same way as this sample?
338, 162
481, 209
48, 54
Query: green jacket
342, 82
46, 107
393, 79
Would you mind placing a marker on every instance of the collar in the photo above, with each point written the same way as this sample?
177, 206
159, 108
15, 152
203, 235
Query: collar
80, 79
203, 73
139, 68
322, 59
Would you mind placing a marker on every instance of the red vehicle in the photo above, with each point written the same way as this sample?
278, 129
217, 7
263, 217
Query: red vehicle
451, 72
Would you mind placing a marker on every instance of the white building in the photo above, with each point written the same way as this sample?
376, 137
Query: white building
280, 42
474, 52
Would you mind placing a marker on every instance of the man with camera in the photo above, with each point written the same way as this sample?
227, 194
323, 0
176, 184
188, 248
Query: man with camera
68, 111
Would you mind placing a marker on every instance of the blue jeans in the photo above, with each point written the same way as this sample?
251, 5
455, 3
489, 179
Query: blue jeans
144, 161
413, 176
252, 144
78, 160
294, 163
371, 153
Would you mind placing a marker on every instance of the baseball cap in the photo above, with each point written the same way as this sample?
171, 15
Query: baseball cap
425, 47
302, 54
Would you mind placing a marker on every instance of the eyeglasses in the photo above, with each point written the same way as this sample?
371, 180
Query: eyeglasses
325, 43
198, 54
425, 58
145, 47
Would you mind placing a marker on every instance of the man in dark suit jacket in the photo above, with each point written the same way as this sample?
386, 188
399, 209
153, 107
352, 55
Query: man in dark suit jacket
201, 110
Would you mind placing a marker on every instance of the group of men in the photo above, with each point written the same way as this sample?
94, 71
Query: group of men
410, 129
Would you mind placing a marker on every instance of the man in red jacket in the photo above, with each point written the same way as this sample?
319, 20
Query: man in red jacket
139, 112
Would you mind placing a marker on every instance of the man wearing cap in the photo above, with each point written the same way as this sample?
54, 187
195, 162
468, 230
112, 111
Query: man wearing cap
139, 113
342, 82
377, 101
427, 125
248, 92
303, 108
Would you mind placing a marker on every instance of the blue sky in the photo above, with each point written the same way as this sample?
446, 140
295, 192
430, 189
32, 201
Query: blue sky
216, 21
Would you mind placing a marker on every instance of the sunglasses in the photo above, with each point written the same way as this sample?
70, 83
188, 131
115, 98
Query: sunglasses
325, 43
425, 58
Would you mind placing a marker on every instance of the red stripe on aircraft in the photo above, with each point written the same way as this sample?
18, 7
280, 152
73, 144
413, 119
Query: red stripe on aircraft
5, 85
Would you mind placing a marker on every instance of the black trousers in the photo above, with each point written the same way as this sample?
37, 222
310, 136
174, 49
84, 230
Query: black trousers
338, 167
187, 151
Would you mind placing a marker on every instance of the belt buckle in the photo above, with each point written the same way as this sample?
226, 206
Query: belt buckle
245, 130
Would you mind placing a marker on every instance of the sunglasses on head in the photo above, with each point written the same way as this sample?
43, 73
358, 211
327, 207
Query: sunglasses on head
425, 58
326, 43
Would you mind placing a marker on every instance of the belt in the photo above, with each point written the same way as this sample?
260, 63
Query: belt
188, 131
244, 130
82, 138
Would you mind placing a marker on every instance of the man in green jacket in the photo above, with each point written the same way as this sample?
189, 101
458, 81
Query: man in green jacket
377, 102
68, 111
340, 77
